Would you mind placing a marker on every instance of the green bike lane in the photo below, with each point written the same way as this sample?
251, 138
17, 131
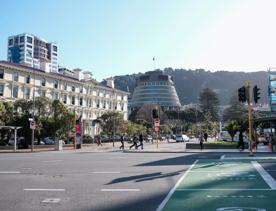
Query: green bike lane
223, 186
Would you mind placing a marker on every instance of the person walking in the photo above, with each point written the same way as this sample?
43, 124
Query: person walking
205, 136
241, 142
141, 142
135, 139
122, 142
99, 140
201, 142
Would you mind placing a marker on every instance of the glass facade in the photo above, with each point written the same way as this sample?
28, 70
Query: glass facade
155, 88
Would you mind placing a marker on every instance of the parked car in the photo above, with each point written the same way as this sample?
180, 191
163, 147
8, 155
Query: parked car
181, 138
87, 139
19, 141
148, 138
49, 141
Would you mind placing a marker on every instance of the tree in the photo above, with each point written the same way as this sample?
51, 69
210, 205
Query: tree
209, 102
236, 111
232, 127
111, 121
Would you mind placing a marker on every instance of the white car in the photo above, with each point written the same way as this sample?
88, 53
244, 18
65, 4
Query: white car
181, 138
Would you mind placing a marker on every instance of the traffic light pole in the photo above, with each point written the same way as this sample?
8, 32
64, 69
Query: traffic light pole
249, 117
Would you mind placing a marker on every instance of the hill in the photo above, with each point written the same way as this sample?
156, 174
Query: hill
189, 83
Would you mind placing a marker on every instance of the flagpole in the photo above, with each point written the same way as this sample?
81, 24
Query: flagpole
154, 63
75, 136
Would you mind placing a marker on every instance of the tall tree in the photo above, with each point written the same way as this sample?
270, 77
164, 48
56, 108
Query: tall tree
209, 102
236, 111
111, 121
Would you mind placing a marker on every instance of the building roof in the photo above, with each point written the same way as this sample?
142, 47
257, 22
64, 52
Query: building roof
97, 84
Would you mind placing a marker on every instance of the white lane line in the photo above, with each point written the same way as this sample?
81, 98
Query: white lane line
222, 189
222, 157
222, 171
51, 200
105, 172
119, 190
249, 158
41, 189
10, 172
51, 161
164, 202
269, 179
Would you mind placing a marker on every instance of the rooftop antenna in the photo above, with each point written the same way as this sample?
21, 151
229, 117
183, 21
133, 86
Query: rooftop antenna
154, 63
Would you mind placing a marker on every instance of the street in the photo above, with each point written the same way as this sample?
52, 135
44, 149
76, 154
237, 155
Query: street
115, 180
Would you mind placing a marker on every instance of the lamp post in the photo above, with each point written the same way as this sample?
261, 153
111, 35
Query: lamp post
33, 119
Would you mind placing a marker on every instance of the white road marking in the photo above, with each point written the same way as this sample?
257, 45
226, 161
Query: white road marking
51, 161
41, 189
267, 177
222, 157
223, 189
249, 158
51, 200
119, 190
164, 202
10, 172
105, 172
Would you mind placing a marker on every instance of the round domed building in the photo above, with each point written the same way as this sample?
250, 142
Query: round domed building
155, 87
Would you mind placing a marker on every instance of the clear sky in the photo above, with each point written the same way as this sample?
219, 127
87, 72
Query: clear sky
116, 37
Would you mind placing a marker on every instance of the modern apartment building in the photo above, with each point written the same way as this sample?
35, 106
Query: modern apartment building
29, 50
155, 87
84, 96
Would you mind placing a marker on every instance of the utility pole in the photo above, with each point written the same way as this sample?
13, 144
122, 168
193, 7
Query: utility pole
249, 117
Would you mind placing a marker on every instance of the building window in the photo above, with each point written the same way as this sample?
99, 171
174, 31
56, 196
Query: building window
1, 89
10, 41
1, 73
27, 79
98, 104
55, 84
64, 99
29, 40
43, 93
73, 100
27, 93
22, 39
81, 101
29, 46
15, 92
54, 48
65, 86
81, 89
15, 76
16, 40
43, 82
73, 88
54, 54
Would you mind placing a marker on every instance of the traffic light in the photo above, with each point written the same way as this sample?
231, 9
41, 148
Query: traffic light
256, 93
242, 94
155, 114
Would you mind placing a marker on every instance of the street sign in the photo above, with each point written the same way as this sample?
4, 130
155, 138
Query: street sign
156, 128
32, 125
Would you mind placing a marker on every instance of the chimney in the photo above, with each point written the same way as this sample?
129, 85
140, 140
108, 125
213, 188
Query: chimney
77, 73
87, 75
110, 82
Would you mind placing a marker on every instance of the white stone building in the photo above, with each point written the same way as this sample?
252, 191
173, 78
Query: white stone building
85, 96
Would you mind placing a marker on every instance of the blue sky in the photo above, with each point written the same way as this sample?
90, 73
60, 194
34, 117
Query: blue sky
116, 37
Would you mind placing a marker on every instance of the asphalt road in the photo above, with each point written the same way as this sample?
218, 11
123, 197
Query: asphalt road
83, 181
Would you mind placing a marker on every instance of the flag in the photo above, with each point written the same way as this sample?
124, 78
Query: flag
153, 59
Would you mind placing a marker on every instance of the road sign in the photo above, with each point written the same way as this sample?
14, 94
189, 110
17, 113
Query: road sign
156, 122
156, 128
32, 125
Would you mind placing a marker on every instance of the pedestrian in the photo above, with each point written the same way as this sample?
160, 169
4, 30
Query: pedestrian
241, 142
135, 139
201, 142
122, 142
141, 142
99, 140
272, 143
205, 137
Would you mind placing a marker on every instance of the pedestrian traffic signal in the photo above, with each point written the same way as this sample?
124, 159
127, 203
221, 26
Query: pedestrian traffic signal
242, 94
256, 93
155, 114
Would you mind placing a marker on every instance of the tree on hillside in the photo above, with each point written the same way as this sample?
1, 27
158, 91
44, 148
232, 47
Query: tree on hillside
236, 111
232, 127
209, 102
